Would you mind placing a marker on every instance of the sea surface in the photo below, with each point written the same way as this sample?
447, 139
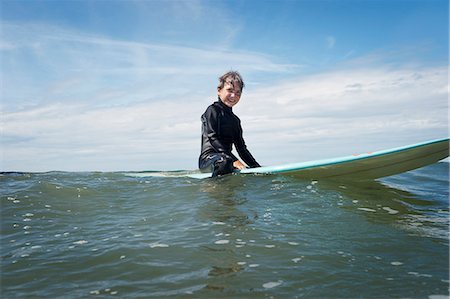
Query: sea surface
107, 235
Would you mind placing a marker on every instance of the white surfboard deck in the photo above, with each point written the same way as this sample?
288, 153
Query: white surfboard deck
365, 166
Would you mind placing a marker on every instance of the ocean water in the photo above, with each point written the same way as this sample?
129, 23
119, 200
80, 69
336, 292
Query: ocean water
106, 235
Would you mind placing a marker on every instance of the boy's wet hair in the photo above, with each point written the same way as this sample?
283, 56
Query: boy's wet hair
233, 78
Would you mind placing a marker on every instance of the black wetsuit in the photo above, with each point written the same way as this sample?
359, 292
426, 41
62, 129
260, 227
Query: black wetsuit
221, 128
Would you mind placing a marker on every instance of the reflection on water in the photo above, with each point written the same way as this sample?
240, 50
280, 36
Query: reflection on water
384, 204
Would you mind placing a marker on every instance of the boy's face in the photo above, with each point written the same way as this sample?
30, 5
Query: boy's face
229, 95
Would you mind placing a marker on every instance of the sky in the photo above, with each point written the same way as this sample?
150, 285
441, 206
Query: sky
120, 85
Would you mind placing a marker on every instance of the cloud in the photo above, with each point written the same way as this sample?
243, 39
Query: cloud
329, 114
63, 136
49, 64
348, 110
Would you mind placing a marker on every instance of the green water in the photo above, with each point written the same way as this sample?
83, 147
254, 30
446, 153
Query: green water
105, 235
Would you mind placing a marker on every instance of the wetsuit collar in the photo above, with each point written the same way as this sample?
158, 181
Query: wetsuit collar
223, 104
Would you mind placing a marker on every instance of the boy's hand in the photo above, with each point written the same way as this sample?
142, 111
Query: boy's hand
239, 165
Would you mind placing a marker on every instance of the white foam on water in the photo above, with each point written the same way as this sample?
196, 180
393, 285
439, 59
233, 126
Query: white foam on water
218, 223
297, 259
293, 243
390, 211
367, 210
222, 242
396, 263
241, 263
272, 284
81, 242
269, 246
158, 245
253, 265
421, 275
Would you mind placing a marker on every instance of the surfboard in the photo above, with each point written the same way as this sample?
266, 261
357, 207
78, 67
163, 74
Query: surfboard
366, 166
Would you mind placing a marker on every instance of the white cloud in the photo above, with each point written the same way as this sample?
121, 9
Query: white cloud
51, 64
329, 114
347, 111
